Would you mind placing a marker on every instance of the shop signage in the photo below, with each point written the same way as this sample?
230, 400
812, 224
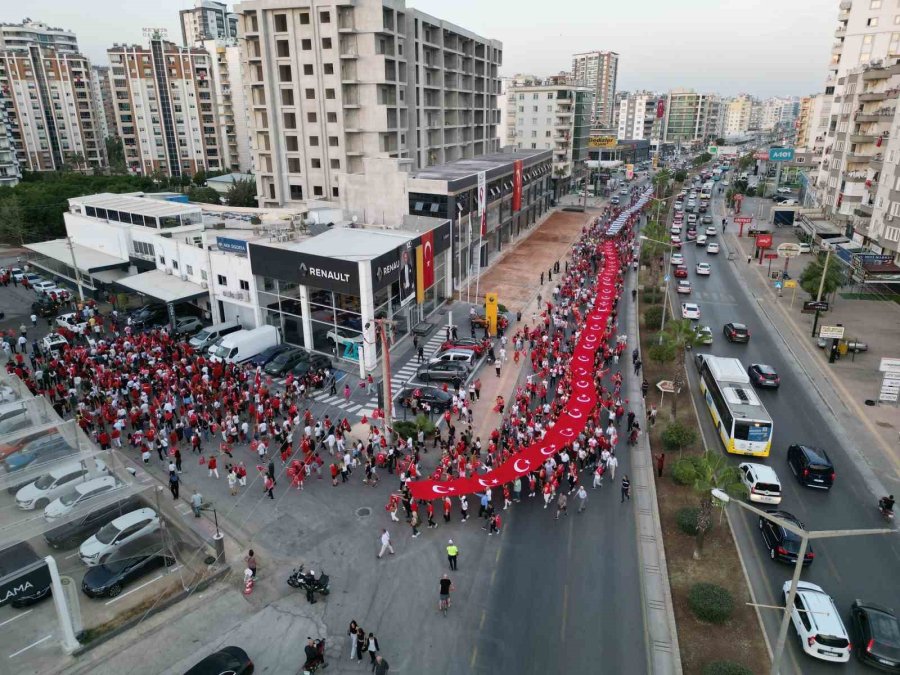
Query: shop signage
815, 306
833, 332
397, 265
889, 365
764, 241
232, 245
602, 141
331, 274
781, 154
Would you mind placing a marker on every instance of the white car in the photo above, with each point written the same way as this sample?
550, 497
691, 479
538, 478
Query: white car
703, 269
676, 228
72, 322
761, 482
120, 531
804, 247
342, 336
677, 259
725, 182
55, 482
78, 495
712, 247
44, 287
783, 190
701, 240
818, 623
54, 344
789, 202
711, 231
465, 356
690, 310
692, 218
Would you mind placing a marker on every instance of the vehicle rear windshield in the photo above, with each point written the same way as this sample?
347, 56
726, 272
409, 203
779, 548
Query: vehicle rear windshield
819, 468
832, 641
885, 629
767, 487
752, 431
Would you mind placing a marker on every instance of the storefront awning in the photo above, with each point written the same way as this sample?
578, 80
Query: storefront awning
88, 259
164, 287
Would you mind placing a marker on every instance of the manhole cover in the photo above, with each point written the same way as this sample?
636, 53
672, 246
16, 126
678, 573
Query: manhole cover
363, 511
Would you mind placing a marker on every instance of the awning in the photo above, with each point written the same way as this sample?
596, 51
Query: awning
164, 287
109, 276
88, 259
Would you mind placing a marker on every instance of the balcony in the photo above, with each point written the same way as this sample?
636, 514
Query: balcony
862, 138
863, 211
877, 160
873, 96
840, 32
856, 177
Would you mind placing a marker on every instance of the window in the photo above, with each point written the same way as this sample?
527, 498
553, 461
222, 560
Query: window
324, 17
328, 68
534, 134
535, 96
310, 93
895, 209
304, 18
894, 47
314, 141
143, 248
297, 192
175, 264
293, 165
203, 275
162, 260
334, 192
282, 48
307, 69
335, 164
281, 23
333, 141
284, 73
331, 118
549, 94
897, 19
326, 43
534, 108
874, 4
291, 143
306, 45
548, 133
290, 121
317, 190
872, 22
534, 146
311, 118
287, 97
329, 93
245, 285
221, 280
892, 233
316, 163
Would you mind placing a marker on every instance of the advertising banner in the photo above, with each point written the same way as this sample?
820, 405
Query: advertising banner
482, 201
517, 185
332, 274
602, 141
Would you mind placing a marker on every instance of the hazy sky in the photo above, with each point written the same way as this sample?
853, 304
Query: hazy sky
763, 47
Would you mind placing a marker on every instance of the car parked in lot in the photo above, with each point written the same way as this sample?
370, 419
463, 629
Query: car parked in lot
38, 451
149, 315
79, 495
107, 579
804, 247
437, 398
761, 482
703, 269
228, 660
690, 310
286, 361
445, 371
736, 332
783, 544
266, 355
818, 623
55, 482
311, 364
74, 532
43, 286
187, 326
876, 635
811, 466
762, 375
464, 356
72, 322
113, 535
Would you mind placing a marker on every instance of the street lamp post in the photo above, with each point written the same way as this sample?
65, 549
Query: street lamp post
662, 326
805, 537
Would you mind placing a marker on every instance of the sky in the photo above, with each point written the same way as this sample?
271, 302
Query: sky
761, 47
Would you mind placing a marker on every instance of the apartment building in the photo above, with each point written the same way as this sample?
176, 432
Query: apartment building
739, 116
165, 108
10, 173
598, 70
330, 84
207, 20
28, 33
231, 103
50, 109
551, 117
691, 117
812, 123
103, 103
640, 117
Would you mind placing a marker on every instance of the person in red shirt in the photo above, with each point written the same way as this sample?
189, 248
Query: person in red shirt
430, 511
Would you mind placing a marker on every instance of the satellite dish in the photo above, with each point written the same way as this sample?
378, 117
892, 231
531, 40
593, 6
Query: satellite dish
355, 219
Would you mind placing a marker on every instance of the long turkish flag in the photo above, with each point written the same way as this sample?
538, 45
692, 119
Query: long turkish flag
428, 259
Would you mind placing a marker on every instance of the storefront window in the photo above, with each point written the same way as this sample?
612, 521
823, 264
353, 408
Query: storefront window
282, 309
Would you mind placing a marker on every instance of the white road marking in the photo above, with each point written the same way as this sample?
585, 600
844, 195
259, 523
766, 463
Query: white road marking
33, 644
16, 617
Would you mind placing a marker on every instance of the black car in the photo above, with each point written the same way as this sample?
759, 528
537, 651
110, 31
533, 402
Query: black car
763, 376
876, 634
26, 578
44, 306
149, 315
74, 532
311, 364
443, 371
108, 579
736, 332
438, 399
811, 466
286, 361
783, 544
267, 355
226, 661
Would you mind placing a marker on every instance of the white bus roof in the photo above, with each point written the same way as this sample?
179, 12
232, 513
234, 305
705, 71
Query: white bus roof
726, 369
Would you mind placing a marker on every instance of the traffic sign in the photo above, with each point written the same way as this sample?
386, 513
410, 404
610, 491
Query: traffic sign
743, 220
889, 365
712, 149
777, 285
666, 386
770, 256
788, 250
781, 154
836, 332
790, 283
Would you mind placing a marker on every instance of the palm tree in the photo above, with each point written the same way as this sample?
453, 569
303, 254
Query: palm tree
683, 337
661, 182
653, 250
714, 472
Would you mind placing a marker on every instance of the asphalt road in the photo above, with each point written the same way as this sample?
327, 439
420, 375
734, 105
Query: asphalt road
849, 568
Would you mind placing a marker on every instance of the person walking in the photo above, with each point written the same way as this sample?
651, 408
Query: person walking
360, 642
414, 524
351, 632
232, 482
174, 484
645, 387
626, 488
464, 508
582, 498
269, 486
251, 562
420, 353
213, 467
660, 464
196, 503
385, 543
373, 648
562, 505
381, 666
637, 366
452, 554
497, 367
611, 465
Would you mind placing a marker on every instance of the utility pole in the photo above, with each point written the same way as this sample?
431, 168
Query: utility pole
381, 325
821, 288
75, 267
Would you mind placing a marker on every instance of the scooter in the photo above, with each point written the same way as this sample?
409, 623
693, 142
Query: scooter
297, 579
888, 515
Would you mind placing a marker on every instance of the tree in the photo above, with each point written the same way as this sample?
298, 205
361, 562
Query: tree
241, 193
76, 161
811, 277
681, 176
713, 473
115, 154
14, 228
661, 352
199, 178
677, 436
661, 182
720, 141
652, 249
683, 337
204, 195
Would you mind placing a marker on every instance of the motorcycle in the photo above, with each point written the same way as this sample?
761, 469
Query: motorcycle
310, 668
887, 514
298, 579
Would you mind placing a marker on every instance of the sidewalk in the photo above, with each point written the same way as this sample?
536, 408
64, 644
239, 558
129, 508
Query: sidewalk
853, 379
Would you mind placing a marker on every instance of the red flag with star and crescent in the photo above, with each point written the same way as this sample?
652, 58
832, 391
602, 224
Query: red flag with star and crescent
428, 259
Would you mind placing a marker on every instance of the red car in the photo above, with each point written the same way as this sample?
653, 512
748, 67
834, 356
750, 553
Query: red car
681, 272
476, 346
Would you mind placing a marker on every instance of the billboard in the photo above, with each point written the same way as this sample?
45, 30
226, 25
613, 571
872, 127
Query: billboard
629, 171
602, 141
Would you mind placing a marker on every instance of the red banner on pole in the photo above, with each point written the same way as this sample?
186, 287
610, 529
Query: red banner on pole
428, 259
517, 185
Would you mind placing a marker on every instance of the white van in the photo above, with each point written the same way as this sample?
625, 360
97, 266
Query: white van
206, 337
244, 344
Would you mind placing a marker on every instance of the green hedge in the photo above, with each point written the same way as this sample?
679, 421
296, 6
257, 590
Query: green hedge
710, 603
684, 472
726, 668
677, 436
653, 316
652, 296
687, 519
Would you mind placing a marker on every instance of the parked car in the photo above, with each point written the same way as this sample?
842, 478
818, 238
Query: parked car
852, 345
703, 269
72, 322
690, 310
122, 530
57, 481
464, 356
230, 660
784, 545
106, 580
74, 532
811, 466
266, 355
241, 345
804, 247
39, 451
452, 372
43, 286
78, 496
783, 190
736, 332
876, 634
286, 361
45, 307
762, 375
149, 315
54, 344
437, 398
186, 326
761, 482
475, 345
313, 363
818, 623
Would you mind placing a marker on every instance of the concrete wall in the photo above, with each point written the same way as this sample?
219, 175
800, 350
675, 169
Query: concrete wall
379, 195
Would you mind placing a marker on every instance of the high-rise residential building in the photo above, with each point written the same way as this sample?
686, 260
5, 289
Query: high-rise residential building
639, 118
739, 115
10, 173
867, 31
598, 71
207, 20
231, 104
103, 102
330, 83
28, 33
691, 117
542, 116
812, 124
166, 107
50, 108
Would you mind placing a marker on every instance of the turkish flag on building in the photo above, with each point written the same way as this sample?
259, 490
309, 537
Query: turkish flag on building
428, 259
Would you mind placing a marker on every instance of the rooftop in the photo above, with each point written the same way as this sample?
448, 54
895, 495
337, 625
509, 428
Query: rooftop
346, 243
145, 206
463, 168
